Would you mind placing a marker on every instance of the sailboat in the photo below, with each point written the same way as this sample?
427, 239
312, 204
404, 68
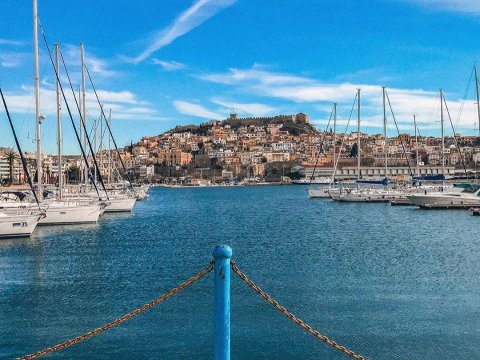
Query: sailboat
57, 211
20, 221
322, 192
461, 197
384, 194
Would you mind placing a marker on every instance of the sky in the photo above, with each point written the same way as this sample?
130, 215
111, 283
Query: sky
158, 64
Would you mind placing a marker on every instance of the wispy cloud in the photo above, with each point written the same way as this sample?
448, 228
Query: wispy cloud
169, 65
197, 110
96, 65
124, 104
11, 59
9, 42
257, 73
304, 90
462, 6
194, 16
253, 109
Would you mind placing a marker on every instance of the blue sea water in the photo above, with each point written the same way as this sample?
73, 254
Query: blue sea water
387, 282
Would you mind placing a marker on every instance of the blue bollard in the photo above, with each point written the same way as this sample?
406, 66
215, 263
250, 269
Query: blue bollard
222, 255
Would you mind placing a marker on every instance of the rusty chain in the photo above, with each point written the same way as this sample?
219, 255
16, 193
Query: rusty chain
122, 319
292, 317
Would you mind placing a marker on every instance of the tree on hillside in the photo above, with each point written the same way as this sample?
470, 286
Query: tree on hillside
354, 150
11, 158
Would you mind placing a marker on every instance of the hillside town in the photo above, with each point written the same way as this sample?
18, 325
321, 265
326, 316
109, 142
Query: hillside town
270, 148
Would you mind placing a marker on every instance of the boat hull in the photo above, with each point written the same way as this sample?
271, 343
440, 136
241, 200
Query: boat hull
120, 205
322, 193
18, 226
66, 215
443, 201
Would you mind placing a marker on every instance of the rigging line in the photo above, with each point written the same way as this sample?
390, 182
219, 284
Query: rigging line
109, 130
343, 138
398, 131
318, 154
82, 121
24, 162
456, 142
464, 98
420, 136
66, 103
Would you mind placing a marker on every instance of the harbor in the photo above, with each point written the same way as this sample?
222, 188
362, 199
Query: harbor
374, 277
231, 179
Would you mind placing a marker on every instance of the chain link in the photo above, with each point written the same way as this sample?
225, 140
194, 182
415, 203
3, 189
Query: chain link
122, 319
292, 317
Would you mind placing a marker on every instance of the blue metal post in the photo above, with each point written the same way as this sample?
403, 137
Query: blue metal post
222, 255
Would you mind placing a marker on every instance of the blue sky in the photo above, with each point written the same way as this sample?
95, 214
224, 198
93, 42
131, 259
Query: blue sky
162, 63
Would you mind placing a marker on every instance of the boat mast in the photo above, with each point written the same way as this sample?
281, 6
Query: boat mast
37, 101
334, 139
95, 144
59, 126
359, 138
443, 140
478, 98
100, 146
109, 149
82, 161
385, 132
84, 109
416, 144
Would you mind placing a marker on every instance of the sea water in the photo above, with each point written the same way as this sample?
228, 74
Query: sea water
387, 282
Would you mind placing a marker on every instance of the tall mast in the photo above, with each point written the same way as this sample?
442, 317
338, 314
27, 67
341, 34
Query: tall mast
82, 166
95, 144
443, 140
416, 144
59, 127
359, 138
109, 149
84, 109
478, 98
37, 100
100, 146
385, 149
334, 138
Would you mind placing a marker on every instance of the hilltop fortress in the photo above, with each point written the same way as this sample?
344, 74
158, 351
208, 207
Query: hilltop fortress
299, 118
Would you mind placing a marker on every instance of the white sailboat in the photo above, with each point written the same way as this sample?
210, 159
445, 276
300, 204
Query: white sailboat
323, 192
57, 212
18, 225
459, 197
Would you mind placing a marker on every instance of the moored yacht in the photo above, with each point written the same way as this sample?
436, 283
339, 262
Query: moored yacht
18, 225
465, 199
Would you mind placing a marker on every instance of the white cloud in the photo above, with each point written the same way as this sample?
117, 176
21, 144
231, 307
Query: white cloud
253, 109
169, 65
188, 20
255, 74
124, 104
188, 108
405, 102
12, 60
462, 6
9, 42
95, 65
